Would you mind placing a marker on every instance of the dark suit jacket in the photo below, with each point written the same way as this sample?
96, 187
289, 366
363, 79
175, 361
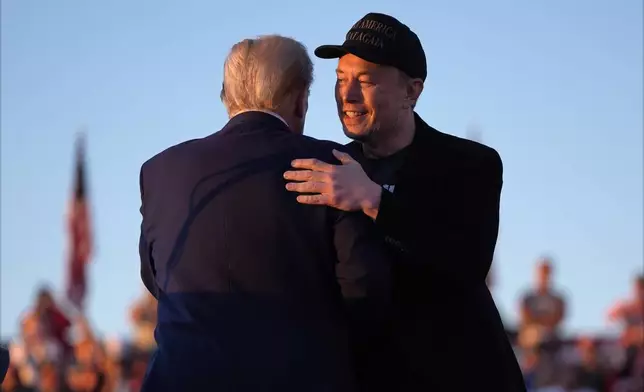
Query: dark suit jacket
4, 363
256, 291
442, 220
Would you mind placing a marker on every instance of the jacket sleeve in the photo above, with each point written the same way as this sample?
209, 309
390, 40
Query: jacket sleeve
145, 250
363, 273
464, 219
363, 270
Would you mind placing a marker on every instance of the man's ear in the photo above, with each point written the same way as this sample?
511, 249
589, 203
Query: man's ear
414, 89
302, 104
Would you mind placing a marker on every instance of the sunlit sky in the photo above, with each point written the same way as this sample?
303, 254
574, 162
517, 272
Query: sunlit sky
554, 86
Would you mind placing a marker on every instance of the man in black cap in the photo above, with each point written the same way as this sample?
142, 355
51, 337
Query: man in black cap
435, 198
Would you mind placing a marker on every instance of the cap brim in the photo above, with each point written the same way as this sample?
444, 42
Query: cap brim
330, 51
337, 51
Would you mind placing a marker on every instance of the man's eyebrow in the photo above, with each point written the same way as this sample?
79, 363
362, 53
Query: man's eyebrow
358, 74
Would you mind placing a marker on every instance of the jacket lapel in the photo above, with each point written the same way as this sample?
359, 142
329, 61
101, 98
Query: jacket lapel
422, 166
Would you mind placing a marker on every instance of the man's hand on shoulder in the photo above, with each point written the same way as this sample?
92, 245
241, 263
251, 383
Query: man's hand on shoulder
345, 187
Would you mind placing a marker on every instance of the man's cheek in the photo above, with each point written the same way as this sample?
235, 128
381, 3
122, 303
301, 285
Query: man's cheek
338, 97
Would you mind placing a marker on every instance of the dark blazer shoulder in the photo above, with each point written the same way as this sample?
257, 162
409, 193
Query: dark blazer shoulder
153, 171
168, 152
464, 148
321, 149
321, 143
459, 152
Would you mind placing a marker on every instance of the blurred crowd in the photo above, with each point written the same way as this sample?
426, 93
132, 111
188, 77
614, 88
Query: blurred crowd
58, 350
553, 361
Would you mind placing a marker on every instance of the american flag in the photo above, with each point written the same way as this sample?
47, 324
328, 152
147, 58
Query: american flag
79, 229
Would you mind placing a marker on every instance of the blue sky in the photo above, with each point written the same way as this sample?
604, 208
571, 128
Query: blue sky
554, 86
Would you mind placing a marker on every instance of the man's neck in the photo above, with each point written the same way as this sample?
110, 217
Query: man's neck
543, 290
393, 140
272, 113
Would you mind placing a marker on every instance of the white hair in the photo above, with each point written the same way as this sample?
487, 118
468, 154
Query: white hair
261, 73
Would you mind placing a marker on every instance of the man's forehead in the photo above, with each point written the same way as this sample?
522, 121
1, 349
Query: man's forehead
354, 64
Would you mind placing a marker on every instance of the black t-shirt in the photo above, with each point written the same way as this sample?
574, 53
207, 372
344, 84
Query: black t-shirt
383, 171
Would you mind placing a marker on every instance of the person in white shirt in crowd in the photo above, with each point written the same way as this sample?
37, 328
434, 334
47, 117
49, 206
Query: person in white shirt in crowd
630, 314
542, 310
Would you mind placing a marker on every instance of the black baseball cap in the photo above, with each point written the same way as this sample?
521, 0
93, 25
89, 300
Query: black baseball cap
384, 40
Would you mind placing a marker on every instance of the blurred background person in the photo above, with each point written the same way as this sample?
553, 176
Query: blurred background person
13, 382
590, 374
542, 311
21, 374
629, 314
46, 337
143, 316
46, 329
49, 377
86, 373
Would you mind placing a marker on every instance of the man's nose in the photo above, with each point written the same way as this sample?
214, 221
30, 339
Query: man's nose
352, 92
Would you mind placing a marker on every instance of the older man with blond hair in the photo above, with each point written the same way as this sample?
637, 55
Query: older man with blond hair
257, 292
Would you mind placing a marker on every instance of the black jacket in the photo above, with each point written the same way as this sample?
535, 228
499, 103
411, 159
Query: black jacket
442, 221
256, 292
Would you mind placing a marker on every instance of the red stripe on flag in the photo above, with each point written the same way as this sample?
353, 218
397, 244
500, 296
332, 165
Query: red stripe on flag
80, 236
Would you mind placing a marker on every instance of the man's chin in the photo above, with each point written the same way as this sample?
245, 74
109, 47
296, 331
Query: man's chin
358, 136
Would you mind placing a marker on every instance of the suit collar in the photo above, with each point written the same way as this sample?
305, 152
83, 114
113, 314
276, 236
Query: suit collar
425, 148
424, 133
257, 119
263, 111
